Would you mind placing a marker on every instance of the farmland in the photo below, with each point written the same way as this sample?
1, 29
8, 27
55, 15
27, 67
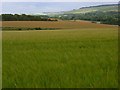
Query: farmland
79, 55
60, 24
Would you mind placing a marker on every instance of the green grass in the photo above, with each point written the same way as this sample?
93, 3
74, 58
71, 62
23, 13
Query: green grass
0, 59
60, 59
93, 9
25, 29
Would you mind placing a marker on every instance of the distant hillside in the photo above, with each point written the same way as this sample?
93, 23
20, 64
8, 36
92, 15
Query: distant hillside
106, 14
103, 8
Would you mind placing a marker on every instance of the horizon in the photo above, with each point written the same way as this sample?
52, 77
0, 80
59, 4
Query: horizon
40, 7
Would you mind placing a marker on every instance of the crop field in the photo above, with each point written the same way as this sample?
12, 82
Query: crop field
52, 24
80, 55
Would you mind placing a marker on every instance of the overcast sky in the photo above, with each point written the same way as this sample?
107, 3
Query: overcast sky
38, 7
60, 0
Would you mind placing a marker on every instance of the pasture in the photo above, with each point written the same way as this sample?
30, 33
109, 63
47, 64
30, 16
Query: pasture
80, 55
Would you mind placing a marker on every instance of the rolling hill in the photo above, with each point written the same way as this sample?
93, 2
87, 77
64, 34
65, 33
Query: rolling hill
103, 8
106, 14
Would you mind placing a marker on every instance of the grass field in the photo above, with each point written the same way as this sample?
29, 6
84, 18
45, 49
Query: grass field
0, 59
68, 58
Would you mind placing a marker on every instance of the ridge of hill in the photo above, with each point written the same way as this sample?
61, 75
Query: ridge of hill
103, 8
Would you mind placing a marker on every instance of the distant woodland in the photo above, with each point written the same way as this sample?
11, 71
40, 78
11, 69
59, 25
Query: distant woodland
23, 17
102, 17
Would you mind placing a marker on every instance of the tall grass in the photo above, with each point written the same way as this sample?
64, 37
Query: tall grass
60, 59
0, 65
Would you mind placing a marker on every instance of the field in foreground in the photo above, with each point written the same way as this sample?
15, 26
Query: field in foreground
60, 58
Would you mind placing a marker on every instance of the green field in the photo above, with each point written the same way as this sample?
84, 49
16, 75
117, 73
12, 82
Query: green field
0, 58
105, 8
79, 58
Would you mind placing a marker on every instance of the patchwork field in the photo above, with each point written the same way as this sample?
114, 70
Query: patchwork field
51, 24
81, 55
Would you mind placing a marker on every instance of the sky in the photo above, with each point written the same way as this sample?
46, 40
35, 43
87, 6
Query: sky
39, 7
60, 0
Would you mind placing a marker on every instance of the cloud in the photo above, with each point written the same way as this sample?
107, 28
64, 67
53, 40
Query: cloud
30, 7
38, 7
60, 1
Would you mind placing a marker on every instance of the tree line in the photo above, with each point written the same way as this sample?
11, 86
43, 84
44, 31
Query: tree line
23, 17
111, 17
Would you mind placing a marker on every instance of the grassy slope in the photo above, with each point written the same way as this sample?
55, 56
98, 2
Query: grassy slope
92, 9
62, 58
